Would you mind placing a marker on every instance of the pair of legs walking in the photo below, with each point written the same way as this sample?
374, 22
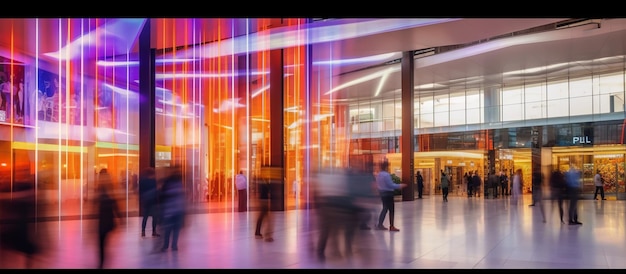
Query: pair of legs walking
149, 211
601, 190
388, 206
264, 219
573, 206
334, 220
172, 226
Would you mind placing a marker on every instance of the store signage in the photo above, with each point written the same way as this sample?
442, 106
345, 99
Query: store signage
581, 140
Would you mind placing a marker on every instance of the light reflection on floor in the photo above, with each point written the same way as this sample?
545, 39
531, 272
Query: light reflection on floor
464, 233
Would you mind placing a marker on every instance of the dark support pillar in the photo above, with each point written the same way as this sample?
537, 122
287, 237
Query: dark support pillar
241, 130
408, 145
277, 144
146, 100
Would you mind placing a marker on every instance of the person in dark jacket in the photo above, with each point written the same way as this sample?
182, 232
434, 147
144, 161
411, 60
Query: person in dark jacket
445, 186
148, 198
264, 216
108, 210
573, 182
469, 184
504, 183
173, 208
420, 184
476, 182
18, 207
558, 189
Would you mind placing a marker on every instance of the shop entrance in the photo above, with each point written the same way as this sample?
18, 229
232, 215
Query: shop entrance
607, 160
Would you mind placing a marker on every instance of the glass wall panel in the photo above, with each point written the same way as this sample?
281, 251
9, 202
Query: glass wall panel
426, 109
558, 108
581, 105
581, 87
457, 108
441, 109
72, 112
611, 90
512, 104
534, 110
512, 96
295, 106
441, 119
557, 89
535, 98
388, 109
474, 102
458, 117
426, 120
535, 92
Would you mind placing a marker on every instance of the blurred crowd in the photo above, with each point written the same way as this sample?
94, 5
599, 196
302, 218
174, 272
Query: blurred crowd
345, 200
162, 199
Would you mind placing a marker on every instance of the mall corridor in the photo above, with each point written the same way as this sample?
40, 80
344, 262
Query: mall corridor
465, 233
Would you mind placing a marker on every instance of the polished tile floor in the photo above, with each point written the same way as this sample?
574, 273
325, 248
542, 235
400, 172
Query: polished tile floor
464, 233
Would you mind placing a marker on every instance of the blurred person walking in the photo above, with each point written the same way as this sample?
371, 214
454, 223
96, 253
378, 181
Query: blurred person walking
558, 189
361, 185
469, 183
516, 186
241, 182
264, 219
149, 199
332, 198
572, 180
173, 208
598, 181
18, 211
493, 181
445, 186
420, 184
495, 184
537, 182
108, 211
386, 189
476, 182
343, 199
504, 183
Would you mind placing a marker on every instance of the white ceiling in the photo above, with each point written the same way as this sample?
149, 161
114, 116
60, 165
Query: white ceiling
584, 48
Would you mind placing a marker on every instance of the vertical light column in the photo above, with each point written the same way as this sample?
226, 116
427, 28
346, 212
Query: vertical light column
306, 165
59, 129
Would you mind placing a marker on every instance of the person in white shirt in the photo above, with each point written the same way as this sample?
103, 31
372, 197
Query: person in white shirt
241, 183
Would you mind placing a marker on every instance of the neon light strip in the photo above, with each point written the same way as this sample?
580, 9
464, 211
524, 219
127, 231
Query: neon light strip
127, 135
127, 155
233, 140
82, 131
59, 157
248, 106
128, 63
120, 146
36, 119
47, 147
